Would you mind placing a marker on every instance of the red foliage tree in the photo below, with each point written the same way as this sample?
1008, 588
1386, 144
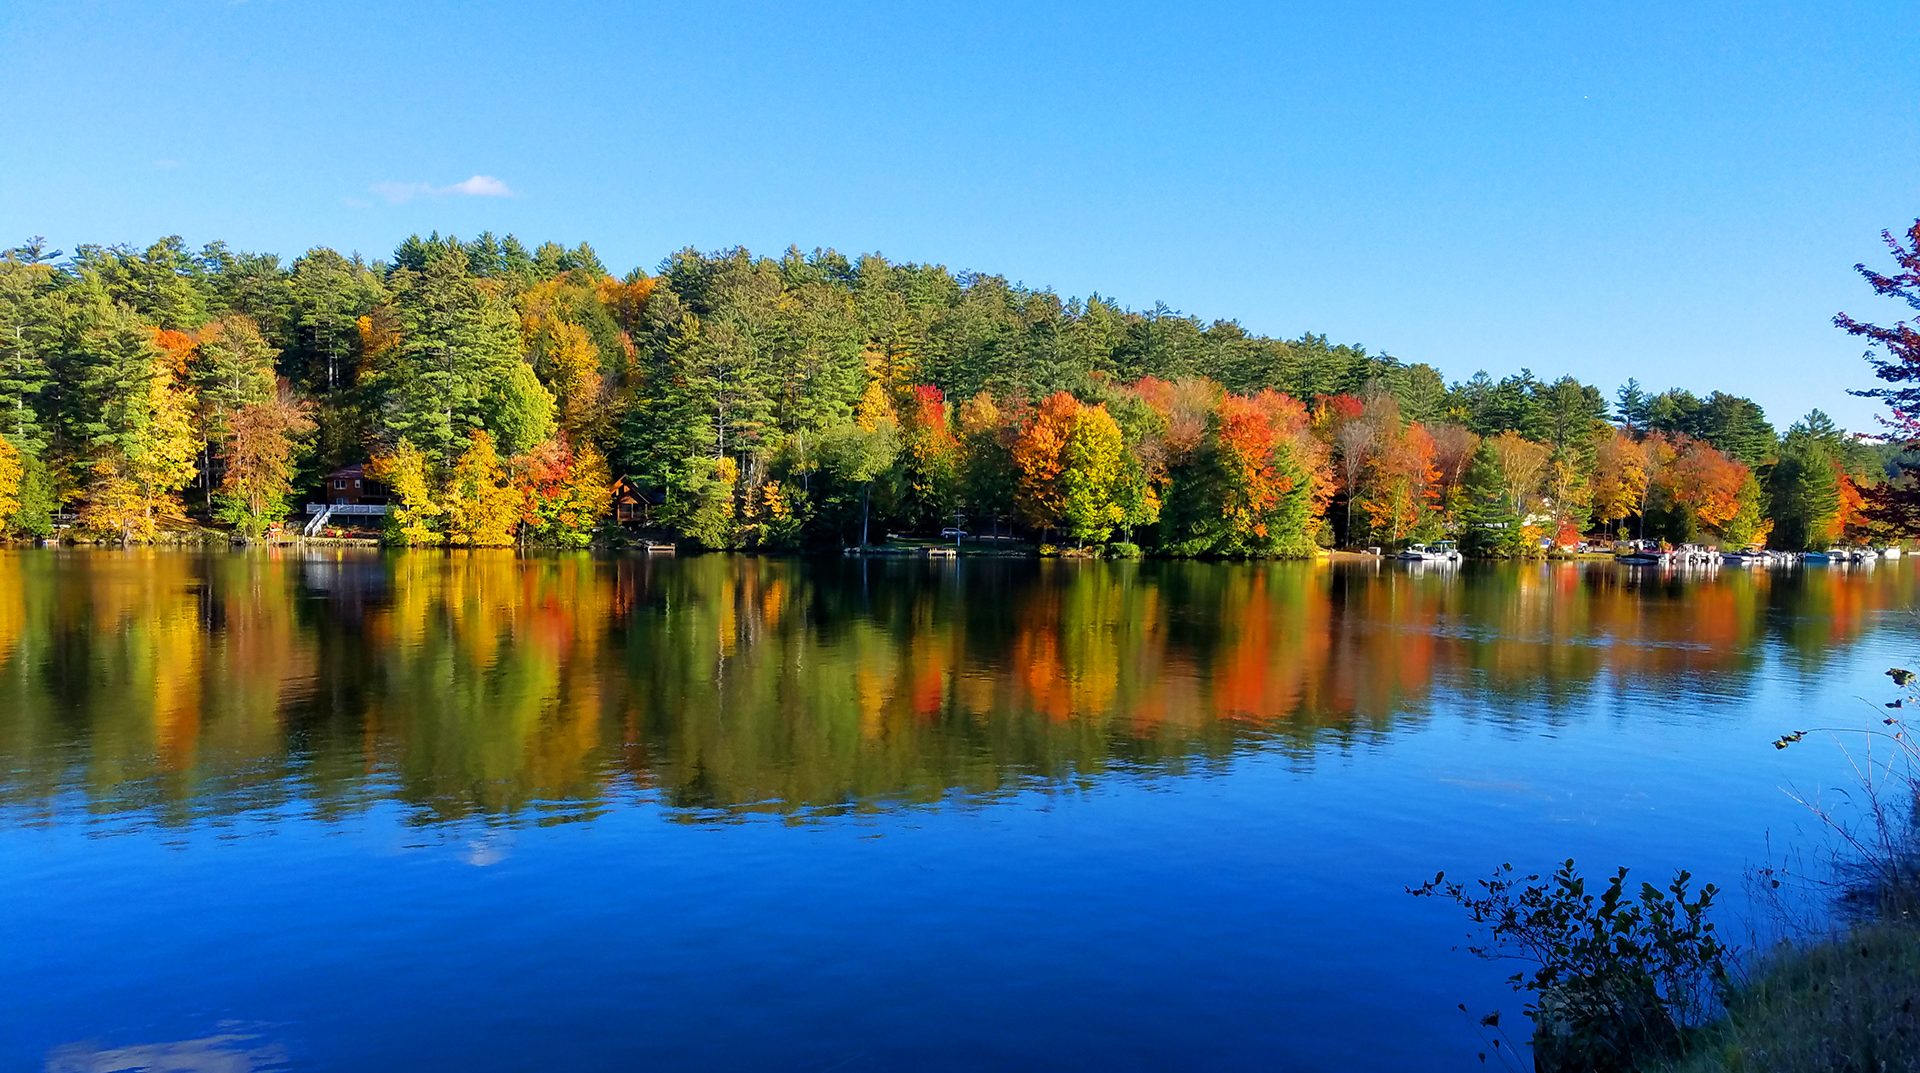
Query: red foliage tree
1704, 484
1253, 429
1894, 353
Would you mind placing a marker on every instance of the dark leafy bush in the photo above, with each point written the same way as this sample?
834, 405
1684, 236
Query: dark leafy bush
1616, 978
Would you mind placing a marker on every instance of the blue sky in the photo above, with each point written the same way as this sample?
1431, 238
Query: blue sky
1671, 192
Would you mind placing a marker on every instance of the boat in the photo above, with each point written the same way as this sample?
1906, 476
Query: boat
1815, 557
1891, 551
1442, 551
1747, 557
1695, 555
1643, 553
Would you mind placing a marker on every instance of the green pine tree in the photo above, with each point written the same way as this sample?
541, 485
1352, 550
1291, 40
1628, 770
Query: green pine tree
1492, 528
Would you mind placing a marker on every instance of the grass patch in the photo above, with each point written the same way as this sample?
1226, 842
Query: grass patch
1850, 1003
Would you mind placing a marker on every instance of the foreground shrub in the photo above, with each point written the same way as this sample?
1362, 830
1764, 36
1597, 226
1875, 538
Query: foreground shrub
1616, 978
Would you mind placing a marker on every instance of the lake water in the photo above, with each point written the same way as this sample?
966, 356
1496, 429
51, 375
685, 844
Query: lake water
420, 811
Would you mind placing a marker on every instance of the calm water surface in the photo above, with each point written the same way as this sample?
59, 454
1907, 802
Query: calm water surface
410, 812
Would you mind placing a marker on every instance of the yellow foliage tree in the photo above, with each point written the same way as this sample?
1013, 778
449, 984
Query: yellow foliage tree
482, 508
1620, 475
379, 333
151, 449
11, 473
589, 490
573, 371
625, 300
164, 460
1521, 463
113, 503
413, 517
1091, 475
875, 409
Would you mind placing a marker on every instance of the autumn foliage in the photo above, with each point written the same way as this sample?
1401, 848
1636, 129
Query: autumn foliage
820, 401
1040, 460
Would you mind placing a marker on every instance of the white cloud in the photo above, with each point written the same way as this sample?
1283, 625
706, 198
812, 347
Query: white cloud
475, 186
480, 186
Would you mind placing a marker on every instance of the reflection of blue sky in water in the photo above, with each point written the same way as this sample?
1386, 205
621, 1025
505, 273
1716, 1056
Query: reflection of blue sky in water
228, 1052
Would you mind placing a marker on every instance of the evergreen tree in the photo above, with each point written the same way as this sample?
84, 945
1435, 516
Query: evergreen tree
1632, 406
1804, 486
29, 327
1492, 529
231, 367
1737, 426
454, 365
328, 294
1675, 411
35, 501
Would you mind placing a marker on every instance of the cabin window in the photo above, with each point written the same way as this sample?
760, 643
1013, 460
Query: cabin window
340, 484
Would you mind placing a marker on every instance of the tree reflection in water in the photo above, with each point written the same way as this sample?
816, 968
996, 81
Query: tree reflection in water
173, 687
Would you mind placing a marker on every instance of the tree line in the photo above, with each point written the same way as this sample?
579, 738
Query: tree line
503, 394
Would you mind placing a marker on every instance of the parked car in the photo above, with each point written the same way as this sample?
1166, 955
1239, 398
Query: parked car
951, 533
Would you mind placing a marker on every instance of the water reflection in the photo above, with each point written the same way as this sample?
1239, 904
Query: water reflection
180, 687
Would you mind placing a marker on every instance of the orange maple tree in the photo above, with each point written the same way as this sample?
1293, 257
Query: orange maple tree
1039, 459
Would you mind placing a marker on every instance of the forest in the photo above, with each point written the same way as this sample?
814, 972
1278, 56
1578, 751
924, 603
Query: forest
506, 395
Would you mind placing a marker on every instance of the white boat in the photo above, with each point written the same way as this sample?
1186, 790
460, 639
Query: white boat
1747, 557
1695, 555
1442, 551
1891, 551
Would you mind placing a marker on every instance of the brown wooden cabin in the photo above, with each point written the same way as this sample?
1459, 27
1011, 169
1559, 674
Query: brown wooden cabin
352, 486
630, 503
